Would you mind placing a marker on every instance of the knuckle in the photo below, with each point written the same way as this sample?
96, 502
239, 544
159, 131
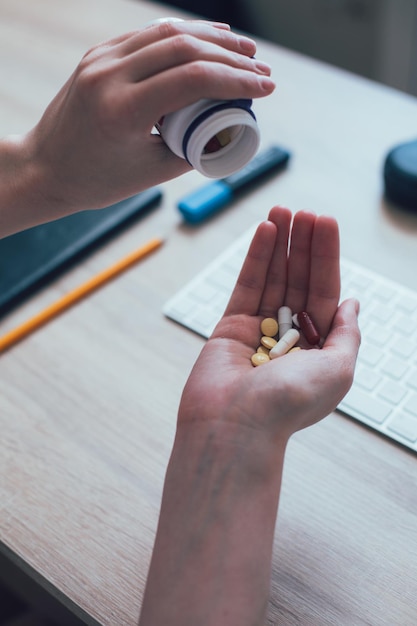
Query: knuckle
197, 74
91, 56
94, 72
168, 29
88, 79
99, 101
89, 70
227, 39
185, 47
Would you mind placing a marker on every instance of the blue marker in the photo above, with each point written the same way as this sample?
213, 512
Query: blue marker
208, 200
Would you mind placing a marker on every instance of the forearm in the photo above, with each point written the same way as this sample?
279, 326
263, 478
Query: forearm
212, 556
25, 193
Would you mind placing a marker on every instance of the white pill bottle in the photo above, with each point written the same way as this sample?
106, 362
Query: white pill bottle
217, 137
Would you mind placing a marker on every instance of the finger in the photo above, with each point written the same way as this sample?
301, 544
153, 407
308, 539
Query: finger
274, 292
343, 341
169, 53
161, 164
130, 38
299, 259
324, 287
180, 86
247, 295
202, 30
160, 20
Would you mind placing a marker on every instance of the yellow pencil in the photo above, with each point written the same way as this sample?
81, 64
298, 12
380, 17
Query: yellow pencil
17, 334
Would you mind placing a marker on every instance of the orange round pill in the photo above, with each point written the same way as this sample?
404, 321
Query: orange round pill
269, 327
259, 358
263, 349
268, 342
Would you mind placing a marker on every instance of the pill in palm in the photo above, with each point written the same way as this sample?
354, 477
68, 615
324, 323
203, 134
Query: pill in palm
259, 358
308, 328
285, 343
269, 327
263, 349
284, 320
271, 345
268, 342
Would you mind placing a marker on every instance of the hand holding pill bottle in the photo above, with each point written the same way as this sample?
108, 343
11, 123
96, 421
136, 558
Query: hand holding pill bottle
102, 121
216, 137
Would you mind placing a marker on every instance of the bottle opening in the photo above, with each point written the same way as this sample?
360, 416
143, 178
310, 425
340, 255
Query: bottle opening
224, 141
224, 144
219, 141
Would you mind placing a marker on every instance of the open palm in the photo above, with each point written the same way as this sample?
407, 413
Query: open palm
292, 262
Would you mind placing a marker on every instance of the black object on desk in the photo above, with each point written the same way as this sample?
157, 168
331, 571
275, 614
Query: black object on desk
31, 258
400, 175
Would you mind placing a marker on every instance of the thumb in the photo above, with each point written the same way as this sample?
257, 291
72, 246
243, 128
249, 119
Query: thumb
344, 338
344, 332
167, 164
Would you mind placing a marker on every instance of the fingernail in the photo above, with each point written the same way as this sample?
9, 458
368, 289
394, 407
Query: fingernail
247, 45
221, 25
357, 306
266, 83
263, 68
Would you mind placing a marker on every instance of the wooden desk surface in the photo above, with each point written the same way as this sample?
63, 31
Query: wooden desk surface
88, 403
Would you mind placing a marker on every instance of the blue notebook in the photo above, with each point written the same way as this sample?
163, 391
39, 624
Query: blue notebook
30, 259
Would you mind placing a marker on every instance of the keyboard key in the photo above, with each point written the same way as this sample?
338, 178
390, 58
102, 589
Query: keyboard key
408, 304
205, 292
395, 368
381, 313
404, 425
360, 283
411, 378
182, 306
405, 325
401, 348
392, 392
235, 265
363, 403
378, 335
224, 280
411, 404
367, 378
386, 293
219, 303
371, 355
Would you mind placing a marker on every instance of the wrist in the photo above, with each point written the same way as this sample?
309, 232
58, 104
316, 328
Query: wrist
252, 453
213, 548
26, 189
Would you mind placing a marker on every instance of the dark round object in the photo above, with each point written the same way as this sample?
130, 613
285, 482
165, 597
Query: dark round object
400, 175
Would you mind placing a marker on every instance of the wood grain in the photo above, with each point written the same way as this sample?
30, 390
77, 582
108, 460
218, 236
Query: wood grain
88, 403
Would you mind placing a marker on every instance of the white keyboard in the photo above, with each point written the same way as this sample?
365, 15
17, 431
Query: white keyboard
384, 392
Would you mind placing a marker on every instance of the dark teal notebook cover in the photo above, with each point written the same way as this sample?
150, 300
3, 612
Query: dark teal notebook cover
30, 259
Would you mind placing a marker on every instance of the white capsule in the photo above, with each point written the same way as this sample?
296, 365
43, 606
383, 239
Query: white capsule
284, 320
285, 344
